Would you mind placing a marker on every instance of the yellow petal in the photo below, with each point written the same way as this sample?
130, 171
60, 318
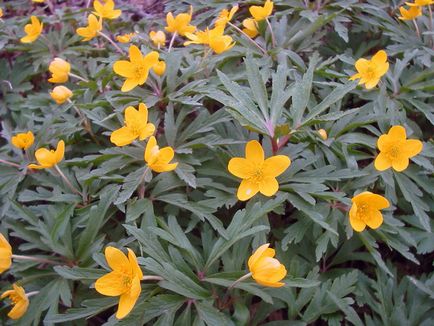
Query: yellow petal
129, 84
60, 151
128, 299
379, 58
122, 136
19, 309
372, 83
413, 147
276, 165
152, 142
116, 259
241, 167
375, 220
147, 131
124, 68
268, 186
112, 284
45, 157
357, 224
400, 164
397, 132
362, 65
135, 54
382, 162
378, 201
247, 189
166, 154
258, 254
254, 152
137, 271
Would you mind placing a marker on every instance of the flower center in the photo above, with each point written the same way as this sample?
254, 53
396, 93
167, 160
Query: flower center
14, 298
363, 211
140, 71
394, 151
126, 281
370, 72
257, 176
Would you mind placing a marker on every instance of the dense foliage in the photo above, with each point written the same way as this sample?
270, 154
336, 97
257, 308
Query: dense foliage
178, 209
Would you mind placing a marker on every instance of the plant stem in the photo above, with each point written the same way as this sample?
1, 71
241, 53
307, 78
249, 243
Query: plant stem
430, 25
273, 39
67, 181
86, 123
242, 278
152, 278
171, 41
112, 43
30, 294
9, 163
78, 77
248, 37
40, 260
417, 28
141, 188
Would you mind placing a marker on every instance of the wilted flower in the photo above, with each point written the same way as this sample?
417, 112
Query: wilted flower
61, 94
158, 159
33, 30
19, 301
159, 68
137, 69
225, 16
370, 71
366, 211
260, 13
125, 38
94, 25
158, 38
265, 269
180, 24
409, 14
136, 126
48, 158
420, 3
258, 175
323, 134
250, 27
123, 281
214, 38
59, 69
23, 140
106, 10
5, 254
396, 150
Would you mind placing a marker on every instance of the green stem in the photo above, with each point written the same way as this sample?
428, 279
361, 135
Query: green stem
36, 259
141, 188
273, 39
171, 41
152, 278
242, 278
112, 43
67, 181
248, 37
78, 77
9, 163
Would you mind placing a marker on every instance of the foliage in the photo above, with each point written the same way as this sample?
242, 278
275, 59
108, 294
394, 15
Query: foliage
187, 225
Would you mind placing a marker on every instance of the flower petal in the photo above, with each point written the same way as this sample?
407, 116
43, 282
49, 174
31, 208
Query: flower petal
129, 84
247, 189
361, 65
254, 152
379, 58
128, 299
382, 162
116, 259
111, 284
268, 186
135, 54
378, 201
241, 167
137, 271
124, 68
397, 132
276, 165
375, 220
60, 151
357, 224
413, 147
122, 136
257, 255
400, 164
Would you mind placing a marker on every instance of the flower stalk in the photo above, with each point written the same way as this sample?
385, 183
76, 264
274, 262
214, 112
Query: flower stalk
78, 77
67, 181
248, 37
36, 259
242, 278
171, 41
112, 43
273, 38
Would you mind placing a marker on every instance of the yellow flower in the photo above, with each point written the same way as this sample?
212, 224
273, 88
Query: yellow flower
260, 13
61, 94
38, 1
123, 281
225, 16
5, 254
420, 3
106, 10
59, 69
258, 175
48, 158
94, 25
323, 134
137, 69
136, 126
409, 14
158, 159
180, 24
366, 211
250, 27
396, 150
214, 38
23, 140
158, 38
125, 38
265, 269
159, 68
33, 30
1, 12
370, 71
19, 300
